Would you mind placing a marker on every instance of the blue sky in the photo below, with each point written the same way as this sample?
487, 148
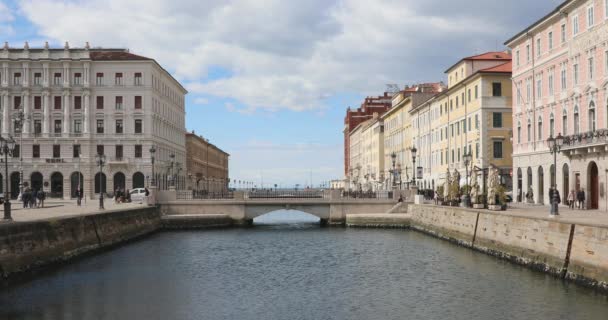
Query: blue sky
269, 80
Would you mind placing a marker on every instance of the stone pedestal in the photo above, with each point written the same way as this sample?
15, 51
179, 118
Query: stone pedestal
478, 206
495, 207
418, 199
151, 199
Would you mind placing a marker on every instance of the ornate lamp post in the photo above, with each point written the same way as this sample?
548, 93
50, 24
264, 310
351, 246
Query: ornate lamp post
394, 171
414, 150
555, 145
152, 152
467, 197
101, 160
7, 146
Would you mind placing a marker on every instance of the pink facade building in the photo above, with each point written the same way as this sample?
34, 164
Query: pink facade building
560, 78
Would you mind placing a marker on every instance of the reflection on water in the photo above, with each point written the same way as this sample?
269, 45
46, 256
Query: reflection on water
296, 272
293, 218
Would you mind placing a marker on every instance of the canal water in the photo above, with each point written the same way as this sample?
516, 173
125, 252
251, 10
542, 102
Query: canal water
296, 270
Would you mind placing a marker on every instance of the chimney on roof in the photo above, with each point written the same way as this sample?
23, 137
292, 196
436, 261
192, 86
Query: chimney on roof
192, 131
87, 46
46, 45
5, 45
66, 46
26, 46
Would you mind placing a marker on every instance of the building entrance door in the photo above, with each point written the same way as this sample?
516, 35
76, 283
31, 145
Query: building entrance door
594, 186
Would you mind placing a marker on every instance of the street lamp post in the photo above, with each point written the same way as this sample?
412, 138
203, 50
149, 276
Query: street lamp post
19, 119
152, 152
171, 164
394, 171
555, 145
467, 197
7, 146
101, 160
414, 150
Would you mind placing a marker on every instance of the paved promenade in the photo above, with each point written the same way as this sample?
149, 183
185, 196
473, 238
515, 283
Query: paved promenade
61, 208
589, 217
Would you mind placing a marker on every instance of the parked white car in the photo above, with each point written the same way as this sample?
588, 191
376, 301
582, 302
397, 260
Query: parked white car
138, 195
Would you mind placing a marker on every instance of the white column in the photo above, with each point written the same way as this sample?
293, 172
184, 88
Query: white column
46, 113
66, 112
86, 119
26, 112
5, 116
45, 75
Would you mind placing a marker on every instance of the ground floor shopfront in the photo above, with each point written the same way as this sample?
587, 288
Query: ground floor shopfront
535, 173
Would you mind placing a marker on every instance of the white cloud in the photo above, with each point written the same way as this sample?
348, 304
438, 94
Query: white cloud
201, 101
6, 14
280, 54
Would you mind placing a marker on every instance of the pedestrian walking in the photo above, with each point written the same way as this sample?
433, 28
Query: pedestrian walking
571, 198
33, 199
581, 199
78, 196
41, 197
25, 198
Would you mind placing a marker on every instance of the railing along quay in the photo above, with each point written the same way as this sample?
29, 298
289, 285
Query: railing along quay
286, 194
367, 194
203, 195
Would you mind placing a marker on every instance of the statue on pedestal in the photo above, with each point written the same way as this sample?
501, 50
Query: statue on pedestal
446, 186
474, 191
493, 184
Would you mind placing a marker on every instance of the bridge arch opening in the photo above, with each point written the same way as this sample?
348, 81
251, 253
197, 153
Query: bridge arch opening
287, 217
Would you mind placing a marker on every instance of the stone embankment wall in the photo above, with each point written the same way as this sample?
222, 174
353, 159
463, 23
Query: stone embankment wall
572, 251
26, 246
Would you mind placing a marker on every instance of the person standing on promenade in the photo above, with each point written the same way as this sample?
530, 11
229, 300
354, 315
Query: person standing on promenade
41, 196
571, 199
33, 198
581, 199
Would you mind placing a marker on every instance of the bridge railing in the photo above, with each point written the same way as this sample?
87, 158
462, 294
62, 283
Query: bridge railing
286, 194
202, 195
382, 194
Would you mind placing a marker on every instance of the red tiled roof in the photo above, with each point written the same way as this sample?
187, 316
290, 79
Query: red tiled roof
492, 55
505, 67
115, 55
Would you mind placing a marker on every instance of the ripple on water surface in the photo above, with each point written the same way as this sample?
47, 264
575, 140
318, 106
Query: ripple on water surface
296, 271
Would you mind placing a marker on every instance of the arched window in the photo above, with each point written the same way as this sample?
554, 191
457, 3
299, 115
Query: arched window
592, 123
540, 128
576, 123
518, 131
552, 125
565, 122
529, 130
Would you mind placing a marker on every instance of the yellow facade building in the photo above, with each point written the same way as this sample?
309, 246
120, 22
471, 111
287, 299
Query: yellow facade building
473, 116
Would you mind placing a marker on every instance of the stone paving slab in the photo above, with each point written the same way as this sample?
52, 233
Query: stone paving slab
586, 217
61, 208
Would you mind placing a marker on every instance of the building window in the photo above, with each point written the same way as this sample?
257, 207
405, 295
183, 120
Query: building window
456, 102
476, 121
496, 89
551, 125
528, 53
138, 125
17, 102
606, 60
563, 33
57, 103
518, 132
497, 120
17, 78
77, 126
550, 83
99, 102
592, 122
76, 151
119, 126
497, 149
137, 79
57, 128
590, 17
100, 150
563, 77
99, 125
539, 87
517, 58
138, 151
469, 95
591, 67
575, 25
565, 121
118, 151
477, 150
576, 119
476, 92
37, 126
57, 79
118, 102
56, 151
37, 102
99, 79
137, 102
77, 102
538, 47
550, 38
118, 79
36, 151
37, 78
540, 128
529, 130
470, 128
77, 78
16, 151
575, 71
16, 126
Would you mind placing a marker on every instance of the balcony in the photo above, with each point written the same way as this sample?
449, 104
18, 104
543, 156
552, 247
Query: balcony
54, 160
586, 143
118, 161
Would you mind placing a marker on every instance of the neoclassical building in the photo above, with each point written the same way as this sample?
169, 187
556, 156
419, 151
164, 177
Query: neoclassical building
560, 78
207, 165
78, 102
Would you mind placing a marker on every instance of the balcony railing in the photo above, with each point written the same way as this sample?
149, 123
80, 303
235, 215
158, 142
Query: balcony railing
586, 139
